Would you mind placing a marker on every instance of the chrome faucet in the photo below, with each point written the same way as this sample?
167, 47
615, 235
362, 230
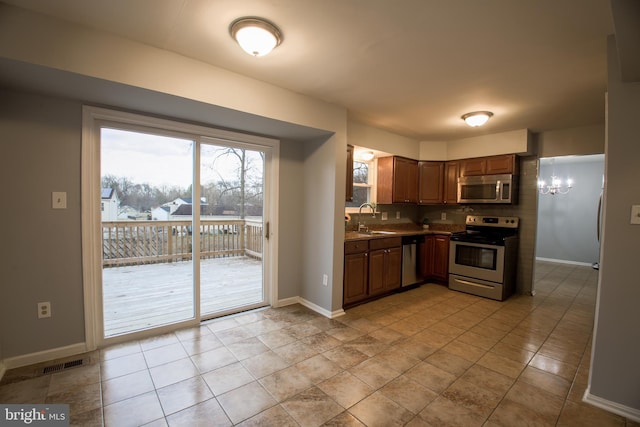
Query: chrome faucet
361, 225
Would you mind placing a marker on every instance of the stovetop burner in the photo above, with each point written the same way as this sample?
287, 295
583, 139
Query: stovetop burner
489, 230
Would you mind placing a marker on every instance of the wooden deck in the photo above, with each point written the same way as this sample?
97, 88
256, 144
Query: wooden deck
144, 296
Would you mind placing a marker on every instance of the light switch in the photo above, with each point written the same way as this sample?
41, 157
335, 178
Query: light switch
59, 200
635, 214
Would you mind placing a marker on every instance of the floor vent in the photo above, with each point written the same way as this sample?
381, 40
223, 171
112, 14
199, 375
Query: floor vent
62, 366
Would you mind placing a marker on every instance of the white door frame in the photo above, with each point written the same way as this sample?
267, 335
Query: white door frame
93, 119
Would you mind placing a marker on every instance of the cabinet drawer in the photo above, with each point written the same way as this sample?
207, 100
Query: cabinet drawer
356, 246
385, 243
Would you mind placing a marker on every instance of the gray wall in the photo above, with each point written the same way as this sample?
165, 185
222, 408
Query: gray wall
41, 141
290, 221
41, 257
567, 222
319, 191
616, 351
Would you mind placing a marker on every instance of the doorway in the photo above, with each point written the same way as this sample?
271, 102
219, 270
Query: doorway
181, 234
569, 213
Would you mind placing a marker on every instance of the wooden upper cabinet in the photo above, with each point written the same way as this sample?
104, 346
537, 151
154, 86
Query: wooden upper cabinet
397, 180
494, 165
507, 164
451, 174
349, 180
470, 167
430, 183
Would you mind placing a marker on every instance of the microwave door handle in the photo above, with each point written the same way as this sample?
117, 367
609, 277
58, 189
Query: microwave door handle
498, 191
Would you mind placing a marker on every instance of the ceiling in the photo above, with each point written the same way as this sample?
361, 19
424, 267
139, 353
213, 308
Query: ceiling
412, 67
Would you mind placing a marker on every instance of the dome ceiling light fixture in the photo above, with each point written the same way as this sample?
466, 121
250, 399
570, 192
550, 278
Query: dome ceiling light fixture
477, 118
367, 156
256, 36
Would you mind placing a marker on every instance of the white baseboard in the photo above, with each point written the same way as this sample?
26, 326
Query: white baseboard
607, 405
320, 310
564, 261
287, 301
312, 306
43, 356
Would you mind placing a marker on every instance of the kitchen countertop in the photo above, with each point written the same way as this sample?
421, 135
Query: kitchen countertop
385, 233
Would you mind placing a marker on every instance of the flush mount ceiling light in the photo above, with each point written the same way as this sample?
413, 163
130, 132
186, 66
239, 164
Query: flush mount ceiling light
477, 118
367, 155
255, 36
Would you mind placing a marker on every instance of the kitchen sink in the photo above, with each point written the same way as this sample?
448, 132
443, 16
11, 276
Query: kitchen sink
381, 232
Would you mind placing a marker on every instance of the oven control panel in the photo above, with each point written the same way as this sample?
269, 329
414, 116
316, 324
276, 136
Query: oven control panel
493, 221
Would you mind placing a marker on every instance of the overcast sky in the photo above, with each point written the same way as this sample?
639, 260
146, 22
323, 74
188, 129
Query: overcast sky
158, 160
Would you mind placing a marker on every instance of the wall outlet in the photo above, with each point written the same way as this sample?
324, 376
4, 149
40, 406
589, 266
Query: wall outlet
397, 214
44, 310
385, 216
325, 280
443, 216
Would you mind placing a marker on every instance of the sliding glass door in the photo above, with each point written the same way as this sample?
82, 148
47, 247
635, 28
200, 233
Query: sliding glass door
231, 224
181, 230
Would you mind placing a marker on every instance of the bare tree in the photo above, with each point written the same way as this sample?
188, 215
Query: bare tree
246, 183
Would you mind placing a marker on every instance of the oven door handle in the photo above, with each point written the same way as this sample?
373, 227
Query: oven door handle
478, 285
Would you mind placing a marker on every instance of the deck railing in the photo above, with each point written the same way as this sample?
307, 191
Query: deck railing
148, 242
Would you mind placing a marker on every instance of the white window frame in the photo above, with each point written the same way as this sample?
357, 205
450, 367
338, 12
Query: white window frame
93, 119
373, 168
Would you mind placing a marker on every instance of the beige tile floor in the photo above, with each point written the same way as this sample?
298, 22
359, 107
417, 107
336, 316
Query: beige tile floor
426, 357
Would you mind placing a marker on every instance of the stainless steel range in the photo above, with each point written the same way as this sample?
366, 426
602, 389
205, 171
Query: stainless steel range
482, 259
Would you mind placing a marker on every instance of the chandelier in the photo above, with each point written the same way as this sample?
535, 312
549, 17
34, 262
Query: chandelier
556, 186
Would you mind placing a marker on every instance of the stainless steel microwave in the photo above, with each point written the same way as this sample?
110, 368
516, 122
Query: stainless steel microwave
488, 189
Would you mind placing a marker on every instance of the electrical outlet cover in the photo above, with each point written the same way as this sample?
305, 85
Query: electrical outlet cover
635, 214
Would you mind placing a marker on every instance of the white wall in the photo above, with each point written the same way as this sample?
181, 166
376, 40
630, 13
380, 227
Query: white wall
517, 141
366, 136
615, 377
38, 39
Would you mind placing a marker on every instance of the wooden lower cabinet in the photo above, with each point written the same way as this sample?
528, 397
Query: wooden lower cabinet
435, 257
385, 269
371, 268
441, 258
356, 274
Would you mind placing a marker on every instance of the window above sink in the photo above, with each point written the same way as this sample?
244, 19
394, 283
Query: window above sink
364, 179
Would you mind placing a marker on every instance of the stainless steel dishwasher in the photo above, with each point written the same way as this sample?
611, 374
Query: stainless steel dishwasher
411, 274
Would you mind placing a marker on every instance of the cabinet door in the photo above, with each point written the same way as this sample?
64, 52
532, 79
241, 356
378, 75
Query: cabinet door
471, 167
497, 165
405, 180
430, 182
427, 256
441, 258
385, 180
451, 173
356, 269
349, 188
393, 269
376, 272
